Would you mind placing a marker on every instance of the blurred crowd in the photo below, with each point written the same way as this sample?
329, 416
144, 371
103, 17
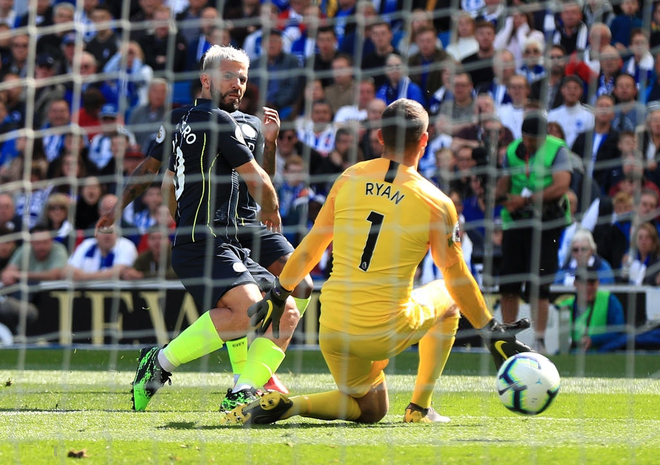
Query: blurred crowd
98, 78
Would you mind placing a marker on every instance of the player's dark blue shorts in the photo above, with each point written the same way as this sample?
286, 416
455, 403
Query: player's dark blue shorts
209, 270
265, 246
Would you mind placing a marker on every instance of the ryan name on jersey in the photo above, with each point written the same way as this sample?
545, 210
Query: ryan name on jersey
380, 189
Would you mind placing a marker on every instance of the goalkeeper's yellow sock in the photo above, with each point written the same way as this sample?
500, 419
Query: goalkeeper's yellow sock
238, 353
263, 359
331, 405
302, 304
434, 349
197, 340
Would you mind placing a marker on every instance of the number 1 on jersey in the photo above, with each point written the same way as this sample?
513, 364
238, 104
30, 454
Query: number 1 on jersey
376, 220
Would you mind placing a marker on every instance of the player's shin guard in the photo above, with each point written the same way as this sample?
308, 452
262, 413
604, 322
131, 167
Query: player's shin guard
434, 349
264, 358
198, 339
238, 353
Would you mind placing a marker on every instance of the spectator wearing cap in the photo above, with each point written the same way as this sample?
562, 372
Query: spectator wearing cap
146, 119
100, 152
105, 42
572, 116
45, 92
536, 177
596, 315
50, 44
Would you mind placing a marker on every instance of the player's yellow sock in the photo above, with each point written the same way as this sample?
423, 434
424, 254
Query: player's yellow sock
331, 405
301, 304
263, 359
197, 340
434, 349
238, 353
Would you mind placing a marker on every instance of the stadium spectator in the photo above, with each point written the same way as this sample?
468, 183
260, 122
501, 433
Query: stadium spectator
373, 64
160, 45
572, 116
623, 24
318, 132
642, 262
55, 218
293, 23
596, 315
88, 116
7, 13
460, 110
480, 65
42, 12
19, 54
357, 112
422, 68
532, 193
654, 40
9, 220
7, 244
573, 33
57, 119
87, 205
443, 93
100, 150
494, 12
583, 254
145, 119
511, 114
105, 42
50, 44
599, 37
253, 43
629, 112
398, 84
45, 259
344, 153
141, 18
65, 172
610, 68
198, 46
188, 20
532, 66
613, 239
101, 258
283, 71
366, 16
345, 19
155, 262
343, 89
641, 64
12, 97
597, 11
518, 29
599, 145
633, 174
30, 200
465, 43
152, 199
504, 67
408, 45
548, 89
5, 45
294, 195
45, 92
130, 87
326, 43
650, 138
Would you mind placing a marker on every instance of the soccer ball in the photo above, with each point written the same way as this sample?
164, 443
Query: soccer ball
527, 383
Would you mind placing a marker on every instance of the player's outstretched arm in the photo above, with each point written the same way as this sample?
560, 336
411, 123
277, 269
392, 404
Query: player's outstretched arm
137, 183
261, 189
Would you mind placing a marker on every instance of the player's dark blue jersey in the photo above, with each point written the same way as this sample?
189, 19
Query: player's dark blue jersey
246, 209
207, 146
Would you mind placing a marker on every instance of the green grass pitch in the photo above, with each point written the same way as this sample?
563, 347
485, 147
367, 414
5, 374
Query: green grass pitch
57, 402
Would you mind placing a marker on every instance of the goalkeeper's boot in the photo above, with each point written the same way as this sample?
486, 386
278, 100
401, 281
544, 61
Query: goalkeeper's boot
236, 399
275, 384
264, 411
416, 414
149, 378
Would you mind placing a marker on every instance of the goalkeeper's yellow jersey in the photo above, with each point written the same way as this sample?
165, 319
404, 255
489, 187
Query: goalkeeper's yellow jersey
382, 217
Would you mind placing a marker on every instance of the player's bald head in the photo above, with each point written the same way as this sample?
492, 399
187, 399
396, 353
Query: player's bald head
404, 122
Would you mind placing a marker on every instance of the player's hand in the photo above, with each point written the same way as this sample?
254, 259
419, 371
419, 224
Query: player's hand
501, 339
271, 126
272, 221
269, 309
105, 222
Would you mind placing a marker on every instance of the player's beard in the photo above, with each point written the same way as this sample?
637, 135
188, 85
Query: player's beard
221, 100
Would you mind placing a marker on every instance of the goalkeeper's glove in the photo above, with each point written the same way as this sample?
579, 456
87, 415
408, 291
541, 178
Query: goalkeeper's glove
269, 309
501, 339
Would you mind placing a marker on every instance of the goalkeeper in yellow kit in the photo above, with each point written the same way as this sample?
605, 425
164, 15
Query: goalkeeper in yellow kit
382, 216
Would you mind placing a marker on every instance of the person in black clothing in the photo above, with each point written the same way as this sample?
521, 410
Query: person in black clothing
156, 45
480, 65
374, 64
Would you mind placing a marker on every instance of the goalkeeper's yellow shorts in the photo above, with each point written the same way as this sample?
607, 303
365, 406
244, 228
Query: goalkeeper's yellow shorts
357, 361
